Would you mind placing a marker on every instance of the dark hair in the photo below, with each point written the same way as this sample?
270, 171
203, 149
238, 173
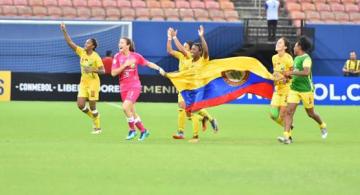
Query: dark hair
108, 53
198, 45
129, 42
190, 43
94, 42
305, 43
287, 45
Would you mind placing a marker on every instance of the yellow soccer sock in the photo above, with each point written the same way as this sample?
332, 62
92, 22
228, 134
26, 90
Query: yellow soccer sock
279, 121
205, 113
323, 125
287, 134
88, 112
195, 123
97, 122
181, 119
290, 133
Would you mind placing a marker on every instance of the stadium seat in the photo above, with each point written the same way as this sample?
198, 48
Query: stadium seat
327, 16
6, 2
217, 15
182, 4
308, 6
201, 15
109, 3
112, 13
127, 14
153, 4
336, 7
9, 10
95, 3
24, 11
333, 1
171, 14
186, 14
342, 16
21, 2
142, 14
167, 4
354, 17
123, 3
157, 14
98, 13
297, 15
351, 8
54, 12
293, 7
50, 3
40, 11
138, 4
65, 3
69, 12
227, 5
231, 15
36, 2
212, 5
79, 3
197, 4
83, 12
312, 15
322, 7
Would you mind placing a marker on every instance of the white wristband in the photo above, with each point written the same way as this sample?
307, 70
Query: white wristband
174, 37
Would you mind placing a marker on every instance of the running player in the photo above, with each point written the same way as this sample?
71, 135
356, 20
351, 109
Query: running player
301, 88
125, 64
282, 62
185, 63
91, 66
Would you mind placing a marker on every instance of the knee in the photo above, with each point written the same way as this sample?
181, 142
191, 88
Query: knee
81, 105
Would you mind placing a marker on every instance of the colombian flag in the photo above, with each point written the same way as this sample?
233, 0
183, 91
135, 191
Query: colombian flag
221, 81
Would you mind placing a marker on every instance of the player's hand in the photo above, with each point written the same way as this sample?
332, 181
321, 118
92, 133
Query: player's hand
169, 32
287, 73
130, 62
63, 27
173, 33
88, 69
201, 31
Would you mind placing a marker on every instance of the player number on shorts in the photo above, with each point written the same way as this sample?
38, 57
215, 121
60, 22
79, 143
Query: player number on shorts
1, 87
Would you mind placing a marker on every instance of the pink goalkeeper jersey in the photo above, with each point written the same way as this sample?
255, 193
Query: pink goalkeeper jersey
129, 77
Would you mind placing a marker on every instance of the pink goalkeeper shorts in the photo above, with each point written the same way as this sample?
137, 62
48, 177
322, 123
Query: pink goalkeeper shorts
130, 95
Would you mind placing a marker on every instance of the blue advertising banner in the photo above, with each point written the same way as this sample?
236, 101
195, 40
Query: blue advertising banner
328, 91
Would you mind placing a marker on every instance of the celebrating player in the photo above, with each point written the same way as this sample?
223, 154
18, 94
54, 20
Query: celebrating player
301, 88
91, 65
282, 62
125, 64
185, 62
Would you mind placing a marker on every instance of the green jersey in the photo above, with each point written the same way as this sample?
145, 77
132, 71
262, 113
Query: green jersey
302, 83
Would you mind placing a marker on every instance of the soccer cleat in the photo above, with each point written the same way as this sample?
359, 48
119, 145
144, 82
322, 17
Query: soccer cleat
214, 125
203, 122
179, 135
131, 135
285, 140
144, 135
324, 133
194, 139
96, 131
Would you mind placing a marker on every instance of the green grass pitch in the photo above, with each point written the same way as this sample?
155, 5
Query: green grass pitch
47, 148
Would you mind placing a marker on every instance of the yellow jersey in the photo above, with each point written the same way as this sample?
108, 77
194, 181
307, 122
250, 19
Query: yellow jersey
92, 60
200, 62
184, 62
352, 65
282, 64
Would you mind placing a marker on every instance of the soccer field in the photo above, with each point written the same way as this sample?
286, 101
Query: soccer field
47, 148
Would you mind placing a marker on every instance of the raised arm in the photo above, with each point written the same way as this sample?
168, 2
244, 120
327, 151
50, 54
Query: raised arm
67, 37
156, 67
203, 42
178, 44
168, 43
